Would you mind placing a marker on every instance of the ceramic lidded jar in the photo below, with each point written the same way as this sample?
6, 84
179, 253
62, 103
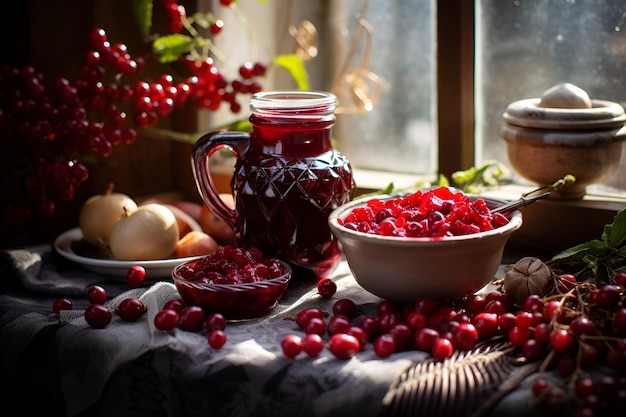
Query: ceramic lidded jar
564, 132
287, 179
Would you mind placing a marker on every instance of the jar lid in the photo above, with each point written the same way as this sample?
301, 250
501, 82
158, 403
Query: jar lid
565, 107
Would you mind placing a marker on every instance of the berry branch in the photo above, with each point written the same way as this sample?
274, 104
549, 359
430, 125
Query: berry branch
49, 129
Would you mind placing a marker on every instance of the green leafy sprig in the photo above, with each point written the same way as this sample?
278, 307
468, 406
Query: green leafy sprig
597, 259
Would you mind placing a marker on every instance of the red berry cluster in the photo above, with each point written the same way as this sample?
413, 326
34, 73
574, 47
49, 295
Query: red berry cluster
47, 127
438, 212
175, 313
97, 315
232, 265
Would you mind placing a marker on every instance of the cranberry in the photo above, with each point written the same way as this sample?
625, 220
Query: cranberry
518, 337
344, 307
608, 297
620, 279
303, 316
98, 316
130, 309
486, 325
338, 324
360, 334
175, 304
464, 336
166, 319
539, 386
384, 346
61, 304
135, 276
426, 305
313, 344
402, 334
423, 339
343, 346
192, 318
416, 320
442, 349
96, 294
215, 321
326, 287
524, 319
291, 345
561, 340
315, 326
370, 326
533, 350
216, 338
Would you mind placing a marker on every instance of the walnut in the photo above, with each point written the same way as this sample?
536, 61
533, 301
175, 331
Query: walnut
527, 276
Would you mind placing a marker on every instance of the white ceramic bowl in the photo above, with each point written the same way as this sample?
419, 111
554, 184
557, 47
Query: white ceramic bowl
402, 268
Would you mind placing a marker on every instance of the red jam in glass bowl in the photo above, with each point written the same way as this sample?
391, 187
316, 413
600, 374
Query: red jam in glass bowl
239, 283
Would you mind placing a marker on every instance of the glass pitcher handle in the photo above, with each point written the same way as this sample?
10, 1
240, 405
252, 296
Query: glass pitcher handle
237, 143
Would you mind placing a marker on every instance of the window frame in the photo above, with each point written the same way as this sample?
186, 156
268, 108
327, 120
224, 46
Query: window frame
455, 85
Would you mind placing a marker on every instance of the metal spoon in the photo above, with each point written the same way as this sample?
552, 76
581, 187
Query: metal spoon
532, 196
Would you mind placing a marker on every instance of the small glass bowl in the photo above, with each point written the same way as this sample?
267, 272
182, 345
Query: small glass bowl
244, 301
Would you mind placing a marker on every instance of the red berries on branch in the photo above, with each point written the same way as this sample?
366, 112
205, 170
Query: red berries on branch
47, 127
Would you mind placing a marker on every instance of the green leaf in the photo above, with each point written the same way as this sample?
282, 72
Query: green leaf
296, 68
579, 252
171, 47
143, 13
614, 234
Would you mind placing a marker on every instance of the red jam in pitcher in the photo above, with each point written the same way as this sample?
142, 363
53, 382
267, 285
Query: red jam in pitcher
286, 181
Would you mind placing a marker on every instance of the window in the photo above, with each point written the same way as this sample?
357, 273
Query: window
525, 47
440, 73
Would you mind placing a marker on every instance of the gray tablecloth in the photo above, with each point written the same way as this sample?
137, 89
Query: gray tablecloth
134, 368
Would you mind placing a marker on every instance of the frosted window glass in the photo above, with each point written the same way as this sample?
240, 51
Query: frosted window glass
524, 47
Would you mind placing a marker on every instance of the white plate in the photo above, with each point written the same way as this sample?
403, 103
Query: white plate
154, 269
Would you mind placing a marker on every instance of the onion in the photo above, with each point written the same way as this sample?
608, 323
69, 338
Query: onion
148, 233
100, 212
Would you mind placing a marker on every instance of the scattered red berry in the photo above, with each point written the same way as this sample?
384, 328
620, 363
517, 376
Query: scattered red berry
166, 320
215, 321
292, 345
384, 346
326, 287
216, 338
98, 316
192, 318
96, 294
343, 346
313, 344
61, 304
135, 276
131, 309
